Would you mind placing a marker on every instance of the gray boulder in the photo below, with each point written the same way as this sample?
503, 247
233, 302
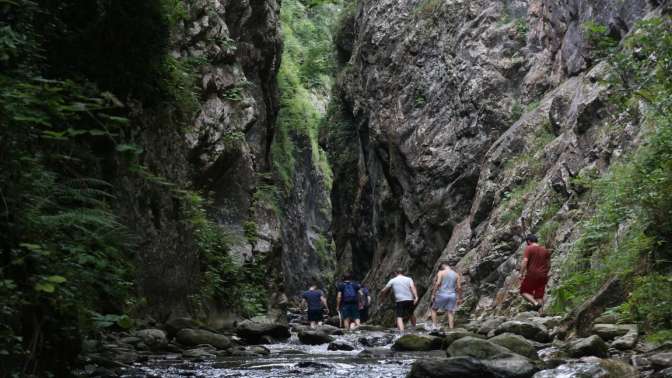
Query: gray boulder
516, 344
314, 337
455, 334
258, 329
418, 343
526, 329
663, 360
612, 331
475, 347
627, 341
153, 338
175, 325
665, 373
340, 345
589, 346
490, 325
511, 365
201, 352
463, 367
195, 337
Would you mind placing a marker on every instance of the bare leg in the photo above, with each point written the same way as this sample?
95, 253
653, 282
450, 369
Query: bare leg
319, 324
529, 298
346, 324
357, 323
400, 324
540, 302
413, 320
434, 316
312, 324
451, 319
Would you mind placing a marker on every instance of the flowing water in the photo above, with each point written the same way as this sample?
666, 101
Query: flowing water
290, 359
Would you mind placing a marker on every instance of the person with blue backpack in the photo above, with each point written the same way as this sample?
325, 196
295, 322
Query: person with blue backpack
347, 301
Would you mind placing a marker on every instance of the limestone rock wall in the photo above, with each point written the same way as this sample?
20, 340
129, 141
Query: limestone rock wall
465, 122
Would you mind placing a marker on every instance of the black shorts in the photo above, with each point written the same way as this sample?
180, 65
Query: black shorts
364, 314
404, 309
315, 315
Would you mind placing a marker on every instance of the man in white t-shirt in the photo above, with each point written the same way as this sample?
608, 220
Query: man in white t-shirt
405, 296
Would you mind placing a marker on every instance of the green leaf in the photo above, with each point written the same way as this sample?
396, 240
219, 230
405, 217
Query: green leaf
45, 287
129, 148
56, 279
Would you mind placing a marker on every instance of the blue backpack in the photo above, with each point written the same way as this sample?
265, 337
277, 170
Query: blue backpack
349, 293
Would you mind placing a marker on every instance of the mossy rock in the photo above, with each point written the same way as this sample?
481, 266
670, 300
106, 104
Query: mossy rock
416, 343
516, 344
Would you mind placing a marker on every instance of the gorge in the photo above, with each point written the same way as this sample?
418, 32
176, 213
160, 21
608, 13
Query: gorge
170, 164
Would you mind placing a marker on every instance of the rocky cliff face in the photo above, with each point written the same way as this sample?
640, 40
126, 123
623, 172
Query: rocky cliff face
465, 123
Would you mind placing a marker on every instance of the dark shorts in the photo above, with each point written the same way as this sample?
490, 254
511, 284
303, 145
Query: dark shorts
315, 315
534, 286
349, 311
404, 309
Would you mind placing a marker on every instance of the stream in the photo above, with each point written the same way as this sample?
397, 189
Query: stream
292, 359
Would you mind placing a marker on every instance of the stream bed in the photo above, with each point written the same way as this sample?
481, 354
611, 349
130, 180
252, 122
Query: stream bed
288, 359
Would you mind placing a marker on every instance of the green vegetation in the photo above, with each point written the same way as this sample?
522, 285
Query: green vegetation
629, 234
305, 80
514, 201
241, 288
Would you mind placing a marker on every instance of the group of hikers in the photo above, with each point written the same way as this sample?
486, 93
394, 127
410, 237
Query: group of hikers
353, 300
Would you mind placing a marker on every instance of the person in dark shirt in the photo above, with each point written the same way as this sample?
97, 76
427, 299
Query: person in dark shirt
534, 271
317, 305
347, 302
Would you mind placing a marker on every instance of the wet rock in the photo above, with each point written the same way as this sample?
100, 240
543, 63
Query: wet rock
589, 346
611, 331
194, 337
376, 340
130, 340
376, 353
516, 344
417, 343
475, 347
371, 328
489, 325
175, 325
314, 337
253, 331
549, 322
526, 316
665, 373
607, 318
463, 367
526, 329
330, 330
627, 341
590, 367
340, 345
511, 365
663, 360
154, 339
202, 352
261, 350
312, 364
455, 334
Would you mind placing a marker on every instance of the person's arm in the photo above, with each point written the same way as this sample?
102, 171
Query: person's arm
338, 300
324, 303
415, 293
523, 265
459, 288
386, 289
435, 287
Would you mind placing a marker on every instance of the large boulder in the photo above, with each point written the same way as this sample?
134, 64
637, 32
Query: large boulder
527, 329
194, 337
314, 337
661, 360
612, 331
589, 346
417, 343
154, 338
516, 344
462, 367
175, 325
511, 365
259, 329
489, 325
627, 341
455, 334
475, 347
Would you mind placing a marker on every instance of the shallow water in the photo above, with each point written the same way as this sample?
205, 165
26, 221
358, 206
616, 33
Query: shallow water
289, 359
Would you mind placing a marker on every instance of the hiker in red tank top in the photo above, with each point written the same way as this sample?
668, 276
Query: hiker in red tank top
534, 271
